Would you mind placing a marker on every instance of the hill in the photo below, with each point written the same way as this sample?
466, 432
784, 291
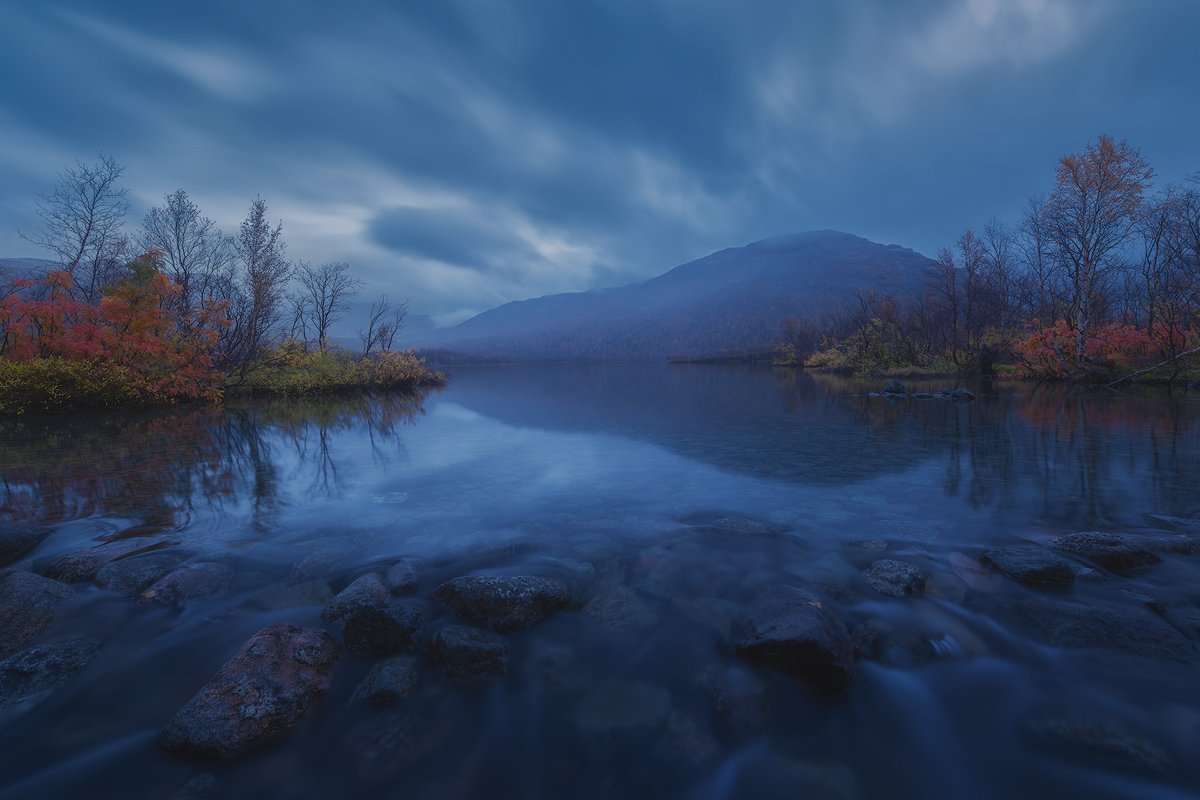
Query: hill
734, 299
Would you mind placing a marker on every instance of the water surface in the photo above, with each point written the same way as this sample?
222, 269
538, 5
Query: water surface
610, 478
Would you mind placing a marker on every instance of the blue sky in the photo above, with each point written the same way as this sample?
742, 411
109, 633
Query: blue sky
465, 154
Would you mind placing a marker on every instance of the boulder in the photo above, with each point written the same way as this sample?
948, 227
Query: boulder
83, 564
40, 668
402, 576
792, 631
894, 386
1109, 550
257, 696
388, 682
131, 576
962, 395
365, 592
383, 631
468, 654
1135, 631
895, 578
17, 539
1029, 564
503, 602
28, 603
192, 582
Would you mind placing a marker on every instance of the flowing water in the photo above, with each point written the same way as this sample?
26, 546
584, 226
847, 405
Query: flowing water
667, 498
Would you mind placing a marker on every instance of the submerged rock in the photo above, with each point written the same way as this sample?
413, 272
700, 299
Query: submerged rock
388, 682
503, 602
469, 654
27, 606
1109, 550
192, 582
623, 709
792, 631
17, 539
737, 695
383, 631
894, 386
621, 609
1134, 631
257, 696
962, 395
365, 592
130, 576
895, 578
403, 576
1098, 743
1029, 564
742, 525
83, 564
41, 668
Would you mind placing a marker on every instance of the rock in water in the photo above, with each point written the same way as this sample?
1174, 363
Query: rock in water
83, 564
388, 682
469, 654
130, 576
1029, 564
193, 582
895, 578
1134, 631
365, 592
1109, 550
402, 576
383, 631
41, 668
794, 632
962, 395
1099, 743
17, 539
503, 602
894, 386
27, 606
257, 696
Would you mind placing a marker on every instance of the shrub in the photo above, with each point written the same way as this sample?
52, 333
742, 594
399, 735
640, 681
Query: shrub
44, 385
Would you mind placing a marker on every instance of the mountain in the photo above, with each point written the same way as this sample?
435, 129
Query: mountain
734, 299
23, 267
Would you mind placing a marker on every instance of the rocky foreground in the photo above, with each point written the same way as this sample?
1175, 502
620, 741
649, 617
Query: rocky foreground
472, 629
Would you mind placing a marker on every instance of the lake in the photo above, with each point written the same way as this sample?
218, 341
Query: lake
668, 500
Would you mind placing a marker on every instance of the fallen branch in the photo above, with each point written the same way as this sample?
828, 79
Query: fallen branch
1143, 371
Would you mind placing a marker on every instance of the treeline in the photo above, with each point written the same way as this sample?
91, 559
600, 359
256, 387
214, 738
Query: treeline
177, 309
1098, 281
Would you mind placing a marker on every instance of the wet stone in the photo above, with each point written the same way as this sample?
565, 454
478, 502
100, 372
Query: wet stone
741, 525
1029, 564
792, 631
621, 609
257, 696
83, 564
468, 654
388, 682
18, 539
365, 592
28, 604
1134, 631
503, 602
192, 582
1102, 744
41, 668
402, 576
738, 697
895, 578
1109, 550
130, 576
383, 631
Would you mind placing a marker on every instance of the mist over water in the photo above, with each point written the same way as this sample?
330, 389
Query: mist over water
621, 481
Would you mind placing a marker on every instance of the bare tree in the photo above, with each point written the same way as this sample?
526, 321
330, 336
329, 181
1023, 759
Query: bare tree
383, 323
1039, 284
971, 253
999, 273
196, 254
81, 224
946, 290
257, 288
324, 295
1092, 215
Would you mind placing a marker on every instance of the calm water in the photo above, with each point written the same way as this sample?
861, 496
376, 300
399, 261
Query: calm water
608, 478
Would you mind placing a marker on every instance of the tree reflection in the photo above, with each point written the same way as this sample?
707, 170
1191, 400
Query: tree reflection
159, 468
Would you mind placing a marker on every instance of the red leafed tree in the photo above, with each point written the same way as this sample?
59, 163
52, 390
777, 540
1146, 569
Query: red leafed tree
132, 327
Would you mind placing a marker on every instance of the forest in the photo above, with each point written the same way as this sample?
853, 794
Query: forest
1097, 282
178, 310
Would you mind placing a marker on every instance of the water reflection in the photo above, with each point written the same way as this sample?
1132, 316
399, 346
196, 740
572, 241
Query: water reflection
161, 468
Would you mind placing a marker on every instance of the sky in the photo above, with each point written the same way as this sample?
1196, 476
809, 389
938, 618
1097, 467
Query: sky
465, 153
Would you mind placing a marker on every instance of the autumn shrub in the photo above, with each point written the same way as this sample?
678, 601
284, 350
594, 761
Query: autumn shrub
1109, 351
62, 344
402, 368
290, 369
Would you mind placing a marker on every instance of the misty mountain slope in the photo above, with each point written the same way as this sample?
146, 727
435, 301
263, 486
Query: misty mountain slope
730, 300
24, 267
